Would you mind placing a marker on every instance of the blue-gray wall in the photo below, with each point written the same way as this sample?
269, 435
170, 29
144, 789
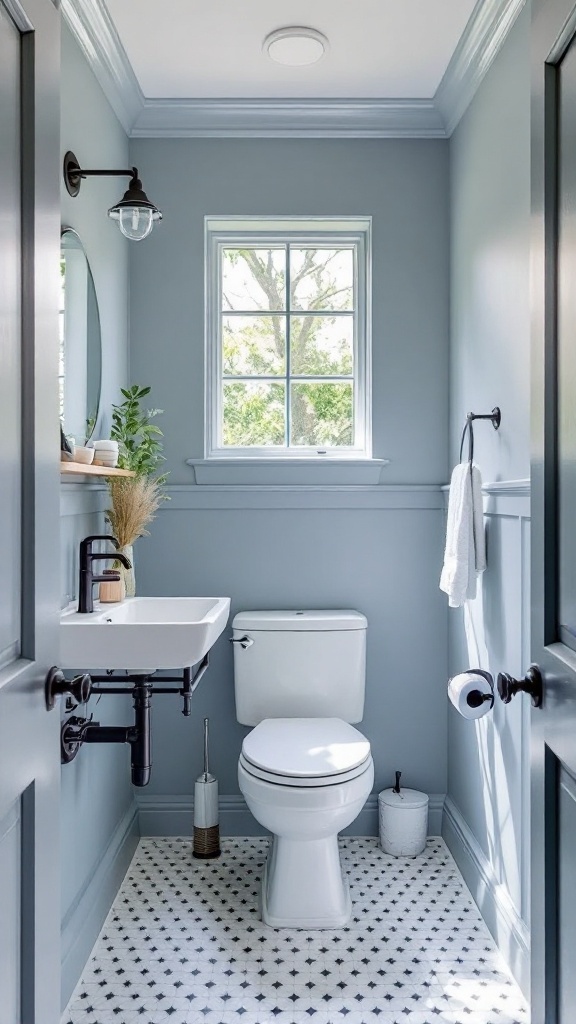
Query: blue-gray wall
375, 548
402, 184
487, 810
97, 802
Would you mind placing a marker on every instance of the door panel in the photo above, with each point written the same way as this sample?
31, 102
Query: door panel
10, 902
566, 895
10, 321
566, 350
553, 574
29, 502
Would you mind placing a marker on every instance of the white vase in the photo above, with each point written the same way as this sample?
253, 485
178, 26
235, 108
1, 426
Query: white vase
128, 574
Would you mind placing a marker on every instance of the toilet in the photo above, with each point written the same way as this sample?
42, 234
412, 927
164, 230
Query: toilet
304, 770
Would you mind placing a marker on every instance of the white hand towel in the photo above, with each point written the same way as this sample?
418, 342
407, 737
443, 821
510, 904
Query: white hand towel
478, 521
465, 552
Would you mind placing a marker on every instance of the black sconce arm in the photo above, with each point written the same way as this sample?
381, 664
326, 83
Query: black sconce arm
134, 213
84, 173
73, 173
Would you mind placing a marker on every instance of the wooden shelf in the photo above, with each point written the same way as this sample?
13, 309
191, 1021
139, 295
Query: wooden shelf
80, 469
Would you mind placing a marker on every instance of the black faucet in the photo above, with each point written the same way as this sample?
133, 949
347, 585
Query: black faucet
87, 577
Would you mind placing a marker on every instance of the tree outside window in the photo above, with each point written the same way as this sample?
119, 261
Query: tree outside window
288, 352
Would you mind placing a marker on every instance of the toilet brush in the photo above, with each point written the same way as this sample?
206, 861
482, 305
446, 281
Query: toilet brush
206, 830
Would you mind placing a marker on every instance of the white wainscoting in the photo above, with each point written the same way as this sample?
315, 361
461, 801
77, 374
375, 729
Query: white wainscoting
487, 812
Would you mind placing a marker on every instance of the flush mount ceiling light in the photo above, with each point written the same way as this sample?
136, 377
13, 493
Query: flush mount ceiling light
295, 46
134, 213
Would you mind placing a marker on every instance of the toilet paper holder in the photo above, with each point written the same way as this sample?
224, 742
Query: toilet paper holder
475, 698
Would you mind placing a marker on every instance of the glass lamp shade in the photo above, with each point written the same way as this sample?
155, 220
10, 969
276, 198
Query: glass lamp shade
134, 220
135, 213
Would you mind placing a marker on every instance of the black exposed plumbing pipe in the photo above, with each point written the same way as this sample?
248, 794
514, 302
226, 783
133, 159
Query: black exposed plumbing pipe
76, 731
137, 735
141, 748
96, 733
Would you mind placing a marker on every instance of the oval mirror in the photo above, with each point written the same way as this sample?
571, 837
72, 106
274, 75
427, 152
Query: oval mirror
80, 370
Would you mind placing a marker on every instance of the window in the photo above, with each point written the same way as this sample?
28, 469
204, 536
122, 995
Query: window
287, 335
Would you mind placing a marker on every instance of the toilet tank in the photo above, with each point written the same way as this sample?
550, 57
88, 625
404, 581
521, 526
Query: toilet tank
299, 664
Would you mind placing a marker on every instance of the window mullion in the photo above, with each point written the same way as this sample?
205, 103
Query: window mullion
297, 312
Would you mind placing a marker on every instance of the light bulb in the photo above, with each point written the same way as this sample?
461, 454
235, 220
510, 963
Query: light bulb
135, 222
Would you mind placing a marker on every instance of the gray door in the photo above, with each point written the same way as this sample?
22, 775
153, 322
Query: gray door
29, 523
554, 512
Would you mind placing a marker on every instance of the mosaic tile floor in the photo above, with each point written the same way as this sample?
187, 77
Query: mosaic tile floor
183, 945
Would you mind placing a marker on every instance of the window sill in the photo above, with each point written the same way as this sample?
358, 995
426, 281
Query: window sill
291, 472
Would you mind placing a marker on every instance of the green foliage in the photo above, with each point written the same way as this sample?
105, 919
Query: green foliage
322, 414
138, 438
321, 345
253, 414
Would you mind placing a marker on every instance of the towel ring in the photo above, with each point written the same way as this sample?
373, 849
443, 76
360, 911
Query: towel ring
496, 418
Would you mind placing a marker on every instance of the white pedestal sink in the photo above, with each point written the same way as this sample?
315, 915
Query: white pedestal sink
142, 633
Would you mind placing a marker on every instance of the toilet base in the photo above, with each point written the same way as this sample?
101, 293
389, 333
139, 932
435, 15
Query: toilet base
303, 885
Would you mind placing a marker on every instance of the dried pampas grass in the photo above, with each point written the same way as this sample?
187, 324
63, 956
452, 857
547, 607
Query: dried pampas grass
134, 503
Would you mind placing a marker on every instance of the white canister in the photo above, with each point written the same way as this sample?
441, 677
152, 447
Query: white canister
403, 819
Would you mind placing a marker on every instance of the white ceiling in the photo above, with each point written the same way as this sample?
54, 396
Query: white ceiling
184, 49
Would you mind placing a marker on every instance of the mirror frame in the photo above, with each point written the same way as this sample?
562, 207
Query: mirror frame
66, 229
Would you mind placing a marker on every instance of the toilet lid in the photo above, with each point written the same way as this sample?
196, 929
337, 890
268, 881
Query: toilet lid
316, 782
305, 748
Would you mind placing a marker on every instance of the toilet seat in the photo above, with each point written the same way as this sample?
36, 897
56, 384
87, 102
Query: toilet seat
305, 752
318, 782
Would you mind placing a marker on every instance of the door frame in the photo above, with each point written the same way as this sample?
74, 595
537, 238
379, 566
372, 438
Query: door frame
553, 28
30, 771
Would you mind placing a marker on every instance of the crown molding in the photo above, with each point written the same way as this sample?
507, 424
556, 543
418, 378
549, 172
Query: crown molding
483, 37
95, 33
289, 118
94, 30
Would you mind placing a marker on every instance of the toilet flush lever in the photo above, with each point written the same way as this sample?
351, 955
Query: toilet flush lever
244, 641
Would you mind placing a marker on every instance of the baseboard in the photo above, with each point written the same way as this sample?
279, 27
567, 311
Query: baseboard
165, 815
509, 930
173, 815
84, 919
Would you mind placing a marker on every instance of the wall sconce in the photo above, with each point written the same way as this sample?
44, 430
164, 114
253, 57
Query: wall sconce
134, 213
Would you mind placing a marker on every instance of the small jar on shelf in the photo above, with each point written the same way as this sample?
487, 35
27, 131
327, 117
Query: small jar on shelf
112, 591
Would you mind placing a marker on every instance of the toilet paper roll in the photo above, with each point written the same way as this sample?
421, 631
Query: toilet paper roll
460, 688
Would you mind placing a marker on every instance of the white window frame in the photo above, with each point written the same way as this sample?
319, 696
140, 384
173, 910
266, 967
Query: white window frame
353, 232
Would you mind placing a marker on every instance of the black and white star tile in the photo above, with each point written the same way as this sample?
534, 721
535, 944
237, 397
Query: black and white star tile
183, 944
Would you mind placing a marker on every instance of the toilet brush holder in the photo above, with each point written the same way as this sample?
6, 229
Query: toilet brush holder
206, 829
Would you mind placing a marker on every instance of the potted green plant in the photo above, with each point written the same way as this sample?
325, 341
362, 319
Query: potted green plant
134, 501
138, 438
